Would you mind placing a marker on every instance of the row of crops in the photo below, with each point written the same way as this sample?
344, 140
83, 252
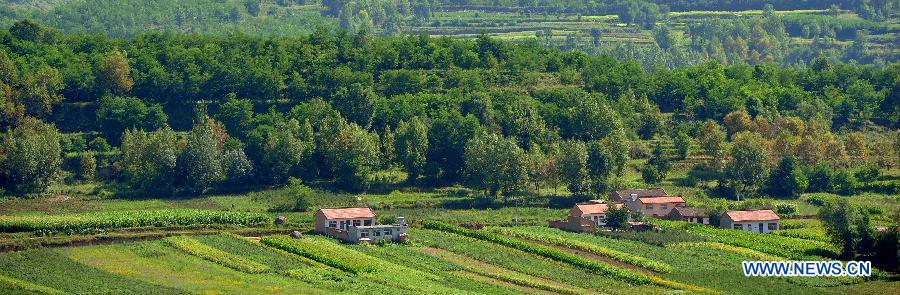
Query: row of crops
320, 251
20, 286
194, 247
551, 236
85, 222
604, 269
788, 247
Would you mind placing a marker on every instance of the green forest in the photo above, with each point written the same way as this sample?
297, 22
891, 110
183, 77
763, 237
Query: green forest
172, 113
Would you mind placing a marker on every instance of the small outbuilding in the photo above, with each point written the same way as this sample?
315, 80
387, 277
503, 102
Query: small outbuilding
689, 214
761, 221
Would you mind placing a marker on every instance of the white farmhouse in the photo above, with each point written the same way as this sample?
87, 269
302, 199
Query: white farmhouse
760, 221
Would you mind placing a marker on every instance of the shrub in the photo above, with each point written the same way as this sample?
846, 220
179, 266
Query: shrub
889, 187
650, 174
99, 144
786, 209
223, 258
72, 143
87, 166
818, 200
868, 174
844, 183
604, 269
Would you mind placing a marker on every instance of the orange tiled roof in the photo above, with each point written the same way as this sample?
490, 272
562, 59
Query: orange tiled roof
347, 213
594, 208
753, 215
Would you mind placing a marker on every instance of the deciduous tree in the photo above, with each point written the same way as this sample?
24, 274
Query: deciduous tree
30, 156
495, 164
412, 146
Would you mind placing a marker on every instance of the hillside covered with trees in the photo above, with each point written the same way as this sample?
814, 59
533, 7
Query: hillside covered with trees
186, 114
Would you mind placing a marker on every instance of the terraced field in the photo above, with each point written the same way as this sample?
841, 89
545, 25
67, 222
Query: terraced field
441, 260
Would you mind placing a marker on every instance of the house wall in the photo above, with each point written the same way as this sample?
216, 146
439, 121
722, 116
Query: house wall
377, 234
751, 226
701, 220
659, 210
322, 223
598, 219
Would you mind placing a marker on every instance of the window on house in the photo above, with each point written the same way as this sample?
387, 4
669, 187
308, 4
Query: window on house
357, 222
387, 232
332, 224
663, 206
737, 226
377, 233
367, 222
773, 226
364, 234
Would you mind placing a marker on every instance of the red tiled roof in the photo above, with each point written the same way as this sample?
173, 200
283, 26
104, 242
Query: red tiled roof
347, 213
661, 200
753, 215
594, 208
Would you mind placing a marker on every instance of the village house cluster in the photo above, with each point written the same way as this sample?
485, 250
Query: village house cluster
655, 202
358, 224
